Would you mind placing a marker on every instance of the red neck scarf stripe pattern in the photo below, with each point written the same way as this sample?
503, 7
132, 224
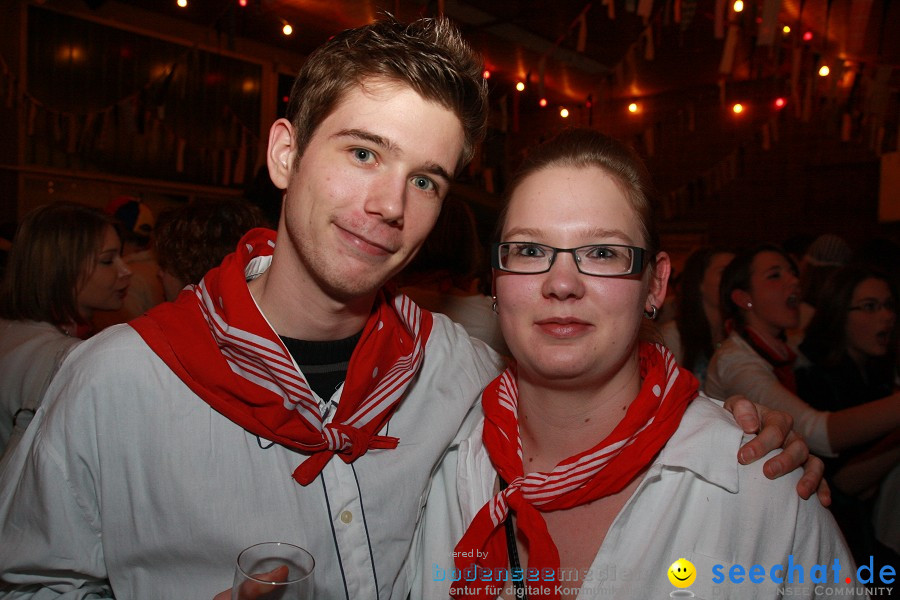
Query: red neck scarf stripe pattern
217, 341
605, 469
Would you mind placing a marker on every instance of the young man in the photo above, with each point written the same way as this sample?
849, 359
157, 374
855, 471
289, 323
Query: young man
168, 446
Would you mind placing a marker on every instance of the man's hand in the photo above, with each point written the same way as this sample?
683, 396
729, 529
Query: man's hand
777, 433
253, 589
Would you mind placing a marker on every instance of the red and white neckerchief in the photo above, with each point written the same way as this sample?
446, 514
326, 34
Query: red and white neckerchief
605, 469
217, 341
777, 353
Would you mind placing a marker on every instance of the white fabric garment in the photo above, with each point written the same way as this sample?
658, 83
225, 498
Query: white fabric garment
127, 475
695, 502
30, 354
736, 368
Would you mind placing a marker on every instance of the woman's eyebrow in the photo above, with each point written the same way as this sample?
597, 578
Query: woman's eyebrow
608, 233
523, 231
588, 234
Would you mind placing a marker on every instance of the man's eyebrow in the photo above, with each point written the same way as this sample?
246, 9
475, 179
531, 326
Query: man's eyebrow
436, 169
370, 137
382, 142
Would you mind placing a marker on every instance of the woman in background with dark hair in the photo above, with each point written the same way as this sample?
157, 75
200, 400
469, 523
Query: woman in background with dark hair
697, 328
850, 345
760, 298
65, 263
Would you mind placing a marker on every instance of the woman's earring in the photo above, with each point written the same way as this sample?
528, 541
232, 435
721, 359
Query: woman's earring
651, 314
494, 305
749, 305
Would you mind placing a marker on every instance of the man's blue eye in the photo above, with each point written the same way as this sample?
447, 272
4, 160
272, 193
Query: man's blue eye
423, 183
362, 154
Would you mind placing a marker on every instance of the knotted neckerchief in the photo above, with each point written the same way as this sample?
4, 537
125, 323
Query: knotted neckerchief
217, 341
605, 469
780, 356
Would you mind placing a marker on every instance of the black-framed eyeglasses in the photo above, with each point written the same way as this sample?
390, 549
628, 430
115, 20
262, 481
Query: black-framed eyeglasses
600, 260
873, 306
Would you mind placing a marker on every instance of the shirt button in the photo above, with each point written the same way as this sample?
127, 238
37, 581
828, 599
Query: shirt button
346, 516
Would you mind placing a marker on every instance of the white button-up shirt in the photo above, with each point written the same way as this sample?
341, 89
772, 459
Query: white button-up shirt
129, 485
695, 502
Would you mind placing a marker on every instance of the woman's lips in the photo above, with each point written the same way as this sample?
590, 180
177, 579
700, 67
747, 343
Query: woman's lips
564, 327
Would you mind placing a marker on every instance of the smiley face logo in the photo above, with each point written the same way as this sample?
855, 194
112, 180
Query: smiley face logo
682, 573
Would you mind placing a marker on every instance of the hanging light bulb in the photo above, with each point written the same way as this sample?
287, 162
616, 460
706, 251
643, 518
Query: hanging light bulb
738, 6
633, 107
780, 103
181, 3
738, 108
786, 29
807, 37
287, 29
824, 71
520, 86
564, 112
542, 102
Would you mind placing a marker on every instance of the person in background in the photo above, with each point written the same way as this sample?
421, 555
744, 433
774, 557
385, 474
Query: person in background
760, 297
64, 265
192, 239
825, 254
444, 275
849, 350
135, 222
697, 329
595, 454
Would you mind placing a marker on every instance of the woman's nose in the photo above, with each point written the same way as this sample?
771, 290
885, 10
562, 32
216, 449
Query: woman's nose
122, 268
564, 280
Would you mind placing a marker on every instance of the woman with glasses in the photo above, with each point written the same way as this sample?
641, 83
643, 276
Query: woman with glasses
596, 465
760, 296
851, 344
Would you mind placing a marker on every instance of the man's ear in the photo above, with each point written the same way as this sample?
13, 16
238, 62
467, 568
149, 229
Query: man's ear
280, 153
659, 281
